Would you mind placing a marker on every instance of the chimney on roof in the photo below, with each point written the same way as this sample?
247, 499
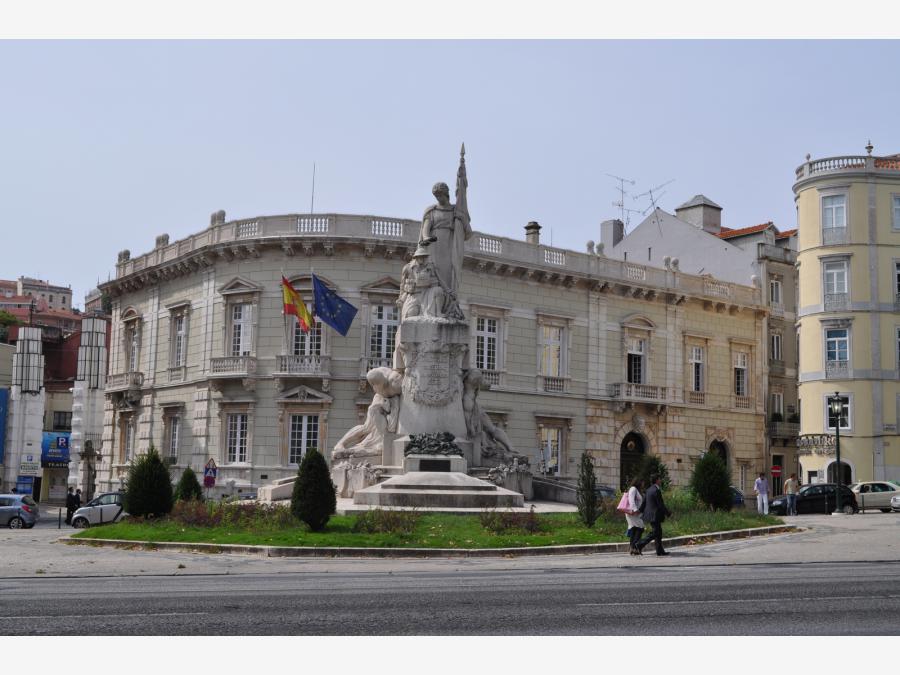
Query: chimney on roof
701, 212
611, 233
533, 233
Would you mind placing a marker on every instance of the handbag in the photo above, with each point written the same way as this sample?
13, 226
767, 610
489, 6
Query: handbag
624, 504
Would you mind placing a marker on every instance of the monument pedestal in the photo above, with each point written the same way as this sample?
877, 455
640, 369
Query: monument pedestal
438, 490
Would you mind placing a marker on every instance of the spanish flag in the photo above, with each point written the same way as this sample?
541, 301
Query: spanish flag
293, 304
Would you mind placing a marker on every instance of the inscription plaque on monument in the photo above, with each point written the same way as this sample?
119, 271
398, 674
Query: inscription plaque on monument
434, 465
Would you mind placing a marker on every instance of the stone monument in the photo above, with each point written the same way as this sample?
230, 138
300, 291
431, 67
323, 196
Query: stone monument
424, 424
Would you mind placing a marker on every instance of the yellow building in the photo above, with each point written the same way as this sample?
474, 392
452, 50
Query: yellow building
848, 214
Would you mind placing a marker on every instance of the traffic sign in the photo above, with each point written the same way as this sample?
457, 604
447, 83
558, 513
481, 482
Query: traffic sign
209, 473
776, 470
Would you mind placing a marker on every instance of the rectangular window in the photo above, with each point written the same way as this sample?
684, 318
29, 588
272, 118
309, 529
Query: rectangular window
897, 280
834, 212
383, 331
179, 339
236, 437
551, 350
778, 403
696, 361
128, 440
835, 274
844, 415
635, 367
174, 424
132, 346
775, 291
62, 421
896, 211
307, 343
775, 344
741, 363
486, 331
551, 445
837, 345
304, 436
241, 329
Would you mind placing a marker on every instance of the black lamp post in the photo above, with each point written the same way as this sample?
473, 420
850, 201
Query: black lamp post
836, 405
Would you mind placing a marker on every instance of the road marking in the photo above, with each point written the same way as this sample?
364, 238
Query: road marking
105, 614
753, 600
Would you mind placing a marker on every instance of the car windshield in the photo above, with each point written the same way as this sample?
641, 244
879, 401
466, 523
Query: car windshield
893, 485
28, 500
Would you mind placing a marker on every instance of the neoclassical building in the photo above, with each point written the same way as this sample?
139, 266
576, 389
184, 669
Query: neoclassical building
848, 211
580, 352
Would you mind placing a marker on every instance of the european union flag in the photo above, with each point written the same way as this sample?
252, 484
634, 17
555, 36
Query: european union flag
332, 308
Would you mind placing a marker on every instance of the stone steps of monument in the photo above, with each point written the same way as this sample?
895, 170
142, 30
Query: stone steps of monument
439, 498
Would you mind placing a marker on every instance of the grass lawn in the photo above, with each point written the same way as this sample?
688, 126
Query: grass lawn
433, 530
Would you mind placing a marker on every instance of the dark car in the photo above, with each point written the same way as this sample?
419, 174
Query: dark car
817, 498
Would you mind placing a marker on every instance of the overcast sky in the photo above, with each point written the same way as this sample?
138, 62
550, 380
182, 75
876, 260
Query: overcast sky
107, 144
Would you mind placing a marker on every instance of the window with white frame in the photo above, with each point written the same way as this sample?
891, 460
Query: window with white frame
487, 330
775, 346
636, 365
236, 435
834, 212
241, 343
304, 435
385, 319
778, 403
837, 345
173, 426
835, 277
179, 339
896, 211
551, 448
775, 292
552, 346
307, 343
696, 360
128, 439
741, 366
844, 414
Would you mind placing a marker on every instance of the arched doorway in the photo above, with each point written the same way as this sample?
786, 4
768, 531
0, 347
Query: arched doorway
846, 473
632, 450
720, 448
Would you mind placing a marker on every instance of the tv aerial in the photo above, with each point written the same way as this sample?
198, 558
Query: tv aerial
624, 212
654, 195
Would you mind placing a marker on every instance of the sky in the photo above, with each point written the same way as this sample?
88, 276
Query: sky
107, 144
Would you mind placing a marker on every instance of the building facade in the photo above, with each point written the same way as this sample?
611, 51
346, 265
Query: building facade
580, 352
848, 211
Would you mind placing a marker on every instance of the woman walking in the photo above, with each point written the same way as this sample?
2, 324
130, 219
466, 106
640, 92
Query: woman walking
633, 517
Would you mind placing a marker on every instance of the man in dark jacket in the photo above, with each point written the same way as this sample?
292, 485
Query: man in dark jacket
70, 506
654, 512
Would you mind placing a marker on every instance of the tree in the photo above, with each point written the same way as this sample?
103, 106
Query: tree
148, 491
313, 500
710, 482
6, 320
649, 465
587, 493
188, 487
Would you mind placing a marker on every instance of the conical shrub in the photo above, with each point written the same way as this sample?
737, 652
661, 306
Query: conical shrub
711, 483
148, 491
587, 494
188, 487
313, 500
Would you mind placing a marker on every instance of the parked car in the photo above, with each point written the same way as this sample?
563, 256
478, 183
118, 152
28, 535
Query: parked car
737, 497
18, 511
895, 503
875, 494
817, 498
107, 508
604, 492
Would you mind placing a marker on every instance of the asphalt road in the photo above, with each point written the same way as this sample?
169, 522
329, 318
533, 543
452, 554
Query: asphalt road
763, 599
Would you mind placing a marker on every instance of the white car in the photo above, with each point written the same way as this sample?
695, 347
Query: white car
107, 508
876, 494
895, 503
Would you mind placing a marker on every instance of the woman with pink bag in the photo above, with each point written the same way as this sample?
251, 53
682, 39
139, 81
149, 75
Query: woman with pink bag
630, 505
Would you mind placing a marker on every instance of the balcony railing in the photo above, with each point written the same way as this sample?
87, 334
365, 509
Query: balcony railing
378, 362
630, 391
834, 235
837, 369
837, 302
695, 397
490, 377
554, 385
233, 365
177, 374
743, 402
289, 364
776, 309
130, 380
784, 429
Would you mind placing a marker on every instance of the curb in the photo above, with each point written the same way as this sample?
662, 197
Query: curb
351, 552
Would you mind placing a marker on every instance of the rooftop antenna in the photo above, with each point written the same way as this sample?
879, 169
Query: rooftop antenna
624, 213
654, 195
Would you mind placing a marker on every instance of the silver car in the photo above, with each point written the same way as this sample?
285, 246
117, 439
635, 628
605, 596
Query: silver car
107, 508
876, 494
895, 503
18, 511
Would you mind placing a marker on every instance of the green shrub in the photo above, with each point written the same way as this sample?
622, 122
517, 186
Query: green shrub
710, 482
188, 487
251, 516
587, 491
683, 500
387, 522
502, 522
313, 500
148, 491
649, 465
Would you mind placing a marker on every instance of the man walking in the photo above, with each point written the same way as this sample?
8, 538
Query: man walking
791, 486
70, 506
761, 487
654, 512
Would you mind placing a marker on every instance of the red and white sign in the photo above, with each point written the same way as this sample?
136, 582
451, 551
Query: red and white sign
209, 473
776, 470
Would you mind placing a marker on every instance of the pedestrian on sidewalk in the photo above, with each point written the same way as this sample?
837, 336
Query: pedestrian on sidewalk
761, 488
70, 506
791, 486
654, 511
633, 516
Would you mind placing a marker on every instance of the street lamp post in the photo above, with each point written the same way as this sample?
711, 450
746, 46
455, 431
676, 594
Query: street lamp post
836, 406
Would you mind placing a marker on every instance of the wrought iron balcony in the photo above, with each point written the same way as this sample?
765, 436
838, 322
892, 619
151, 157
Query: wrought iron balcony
629, 391
837, 369
233, 366
123, 381
784, 429
837, 302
